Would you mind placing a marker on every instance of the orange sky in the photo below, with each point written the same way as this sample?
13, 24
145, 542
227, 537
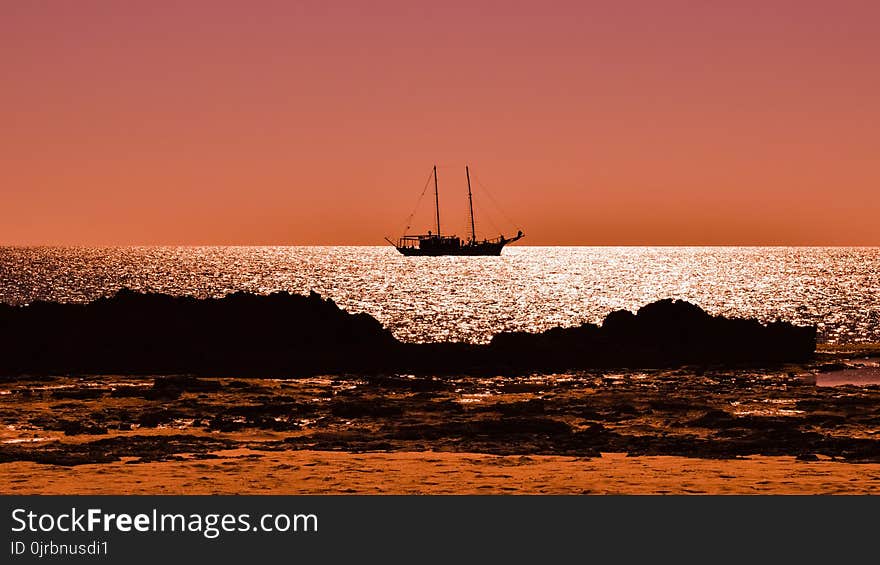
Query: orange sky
626, 122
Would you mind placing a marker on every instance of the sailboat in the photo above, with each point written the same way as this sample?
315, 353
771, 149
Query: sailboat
435, 244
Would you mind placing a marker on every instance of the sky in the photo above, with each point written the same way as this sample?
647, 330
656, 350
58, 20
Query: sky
632, 122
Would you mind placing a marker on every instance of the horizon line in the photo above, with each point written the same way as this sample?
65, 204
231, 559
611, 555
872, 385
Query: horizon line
610, 245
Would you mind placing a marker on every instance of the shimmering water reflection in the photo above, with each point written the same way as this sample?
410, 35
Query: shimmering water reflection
471, 298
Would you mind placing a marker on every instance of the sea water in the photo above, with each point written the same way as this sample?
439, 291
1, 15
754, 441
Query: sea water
471, 298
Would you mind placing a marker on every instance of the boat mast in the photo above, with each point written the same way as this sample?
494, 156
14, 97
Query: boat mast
436, 201
471, 204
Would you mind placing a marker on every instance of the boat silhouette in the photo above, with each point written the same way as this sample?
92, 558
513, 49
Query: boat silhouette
435, 244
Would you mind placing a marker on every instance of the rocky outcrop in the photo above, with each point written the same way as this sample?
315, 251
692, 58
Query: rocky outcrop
239, 333
287, 334
663, 333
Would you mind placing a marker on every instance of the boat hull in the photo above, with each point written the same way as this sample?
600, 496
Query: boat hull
479, 249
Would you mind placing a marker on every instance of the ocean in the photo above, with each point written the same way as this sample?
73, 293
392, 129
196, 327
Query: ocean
472, 298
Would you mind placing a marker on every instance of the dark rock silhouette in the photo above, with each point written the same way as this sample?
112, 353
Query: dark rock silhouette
662, 333
134, 332
286, 334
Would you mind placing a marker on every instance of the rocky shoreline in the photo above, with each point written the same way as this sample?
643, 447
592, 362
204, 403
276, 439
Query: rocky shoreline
95, 384
292, 335
702, 412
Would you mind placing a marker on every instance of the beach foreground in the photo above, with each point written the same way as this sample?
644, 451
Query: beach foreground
806, 428
245, 471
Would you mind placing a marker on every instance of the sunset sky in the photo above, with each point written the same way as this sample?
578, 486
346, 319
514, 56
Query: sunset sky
290, 122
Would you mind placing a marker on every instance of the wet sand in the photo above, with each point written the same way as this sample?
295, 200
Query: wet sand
691, 429
246, 471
